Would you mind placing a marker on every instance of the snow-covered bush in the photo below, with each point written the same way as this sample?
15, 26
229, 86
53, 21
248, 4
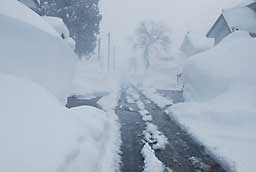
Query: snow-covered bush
220, 92
31, 48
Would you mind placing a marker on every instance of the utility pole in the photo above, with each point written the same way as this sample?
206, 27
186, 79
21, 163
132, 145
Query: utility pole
99, 50
114, 58
109, 45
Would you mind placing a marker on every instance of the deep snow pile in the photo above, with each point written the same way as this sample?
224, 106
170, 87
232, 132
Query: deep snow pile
58, 24
29, 49
17, 10
220, 92
39, 134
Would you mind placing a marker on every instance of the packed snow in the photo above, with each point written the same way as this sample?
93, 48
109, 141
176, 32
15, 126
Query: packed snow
145, 115
220, 94
155, 137
159, 100
152, 163
140, 104
113, 139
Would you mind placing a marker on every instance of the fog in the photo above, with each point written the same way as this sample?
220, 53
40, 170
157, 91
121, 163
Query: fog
120, 17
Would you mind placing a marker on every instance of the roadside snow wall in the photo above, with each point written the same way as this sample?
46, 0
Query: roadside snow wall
221, 100
29, 48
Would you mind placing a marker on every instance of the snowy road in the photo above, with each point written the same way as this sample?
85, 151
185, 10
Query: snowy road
144, 123
180, 154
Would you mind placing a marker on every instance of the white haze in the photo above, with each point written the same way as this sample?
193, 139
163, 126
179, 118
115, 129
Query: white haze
120, 17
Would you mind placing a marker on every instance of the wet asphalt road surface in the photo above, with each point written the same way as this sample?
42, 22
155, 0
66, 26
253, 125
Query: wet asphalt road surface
76, 101
182, 154
132, 127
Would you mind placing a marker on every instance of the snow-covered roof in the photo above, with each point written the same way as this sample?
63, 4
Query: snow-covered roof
242, 18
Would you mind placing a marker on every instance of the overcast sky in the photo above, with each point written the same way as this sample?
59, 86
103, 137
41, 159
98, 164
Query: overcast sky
121, 17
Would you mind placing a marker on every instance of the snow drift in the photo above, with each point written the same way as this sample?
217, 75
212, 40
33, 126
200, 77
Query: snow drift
220, 92
39, 134
30, 49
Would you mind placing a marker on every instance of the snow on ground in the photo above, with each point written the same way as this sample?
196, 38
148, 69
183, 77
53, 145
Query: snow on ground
159, 100
112, 149
130, 100
140, 104
91, 80
133, 94
18, 11
39, 134
155, 137
34, 54
58, 24
145, 116
220, 93
152, 163
161, 75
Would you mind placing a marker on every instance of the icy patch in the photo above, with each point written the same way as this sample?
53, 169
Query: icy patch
152, 163
160, 101
153, 136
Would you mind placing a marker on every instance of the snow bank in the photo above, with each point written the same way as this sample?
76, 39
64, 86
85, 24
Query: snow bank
39, 134
28, 52
17, 10
220, 109
58, 24
209, 74
111, 162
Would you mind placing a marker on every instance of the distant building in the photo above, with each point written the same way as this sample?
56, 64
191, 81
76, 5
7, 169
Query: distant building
231, 20
195, 43
33, 4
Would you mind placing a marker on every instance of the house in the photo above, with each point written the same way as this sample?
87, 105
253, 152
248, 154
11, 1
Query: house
234, 19
194, 43
33, 4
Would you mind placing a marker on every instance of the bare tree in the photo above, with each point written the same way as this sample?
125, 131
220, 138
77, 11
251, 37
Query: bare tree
151, 37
